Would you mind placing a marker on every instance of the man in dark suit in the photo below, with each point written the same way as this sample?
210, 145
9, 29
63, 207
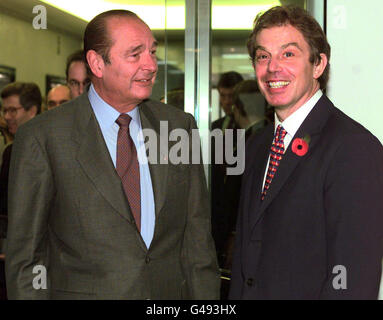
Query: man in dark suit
100, 223
311, 212
225, 86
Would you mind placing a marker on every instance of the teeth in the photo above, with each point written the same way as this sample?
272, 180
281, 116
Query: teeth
278, 84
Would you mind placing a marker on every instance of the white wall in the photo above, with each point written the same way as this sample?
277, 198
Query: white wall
355, 33
34, 53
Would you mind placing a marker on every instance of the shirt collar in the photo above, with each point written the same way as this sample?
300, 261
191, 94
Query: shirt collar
105, 113
292, 123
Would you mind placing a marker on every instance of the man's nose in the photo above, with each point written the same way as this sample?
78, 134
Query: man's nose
7, 116
274, 65
149, 62
81, 88
227, 100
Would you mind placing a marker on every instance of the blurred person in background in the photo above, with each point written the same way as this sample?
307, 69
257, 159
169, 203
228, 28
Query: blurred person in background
20, 102
57, 96
225, 86
76, 73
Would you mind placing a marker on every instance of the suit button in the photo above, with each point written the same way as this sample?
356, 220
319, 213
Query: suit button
147, 259
250, 282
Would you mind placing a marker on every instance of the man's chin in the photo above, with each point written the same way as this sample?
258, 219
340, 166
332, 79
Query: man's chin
146, 95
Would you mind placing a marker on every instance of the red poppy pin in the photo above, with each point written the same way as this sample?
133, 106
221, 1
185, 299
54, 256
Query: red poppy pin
301, 146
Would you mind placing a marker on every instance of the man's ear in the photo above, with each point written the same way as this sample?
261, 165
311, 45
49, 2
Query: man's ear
96, 63
253, 64
32, 112
320, 66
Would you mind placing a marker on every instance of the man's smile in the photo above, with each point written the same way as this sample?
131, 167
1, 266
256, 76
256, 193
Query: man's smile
277, 84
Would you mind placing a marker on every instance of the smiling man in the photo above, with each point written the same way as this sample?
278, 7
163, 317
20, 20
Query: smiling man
95, 221
310, 218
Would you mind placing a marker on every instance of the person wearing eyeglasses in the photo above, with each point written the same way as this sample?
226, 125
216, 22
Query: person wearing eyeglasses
76, 73
20, 103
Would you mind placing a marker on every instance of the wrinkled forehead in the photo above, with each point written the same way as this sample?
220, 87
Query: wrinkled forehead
280, 35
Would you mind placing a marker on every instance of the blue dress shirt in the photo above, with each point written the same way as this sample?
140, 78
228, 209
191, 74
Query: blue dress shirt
106, 116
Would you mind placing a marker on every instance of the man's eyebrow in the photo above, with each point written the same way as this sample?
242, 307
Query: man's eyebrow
134, 49
294, 44
139, 47
260, 48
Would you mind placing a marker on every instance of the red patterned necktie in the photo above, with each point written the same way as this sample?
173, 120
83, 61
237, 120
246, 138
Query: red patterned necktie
128, 168
276, 153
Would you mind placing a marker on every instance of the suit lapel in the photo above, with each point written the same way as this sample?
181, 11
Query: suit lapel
311, 126
94, 158
158, 171
256, 174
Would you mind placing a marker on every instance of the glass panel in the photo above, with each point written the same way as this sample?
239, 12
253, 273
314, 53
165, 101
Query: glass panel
169, 86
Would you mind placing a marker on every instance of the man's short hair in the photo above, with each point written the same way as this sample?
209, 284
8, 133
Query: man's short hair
96, 36
301, 20
74, 57
29, 94
229, 79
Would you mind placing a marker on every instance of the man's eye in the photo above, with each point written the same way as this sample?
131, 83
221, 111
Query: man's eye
261, 58
288, 54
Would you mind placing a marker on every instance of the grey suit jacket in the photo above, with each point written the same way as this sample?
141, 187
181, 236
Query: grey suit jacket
68, 212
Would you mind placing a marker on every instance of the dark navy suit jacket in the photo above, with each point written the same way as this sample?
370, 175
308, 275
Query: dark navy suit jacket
323, 210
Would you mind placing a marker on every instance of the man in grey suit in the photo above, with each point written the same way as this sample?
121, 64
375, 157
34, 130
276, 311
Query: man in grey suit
75, 215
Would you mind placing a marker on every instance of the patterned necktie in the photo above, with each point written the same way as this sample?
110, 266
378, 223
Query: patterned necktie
128, 168
276, 153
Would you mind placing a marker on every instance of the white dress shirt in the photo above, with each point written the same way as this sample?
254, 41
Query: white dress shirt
292, 123
106, 116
